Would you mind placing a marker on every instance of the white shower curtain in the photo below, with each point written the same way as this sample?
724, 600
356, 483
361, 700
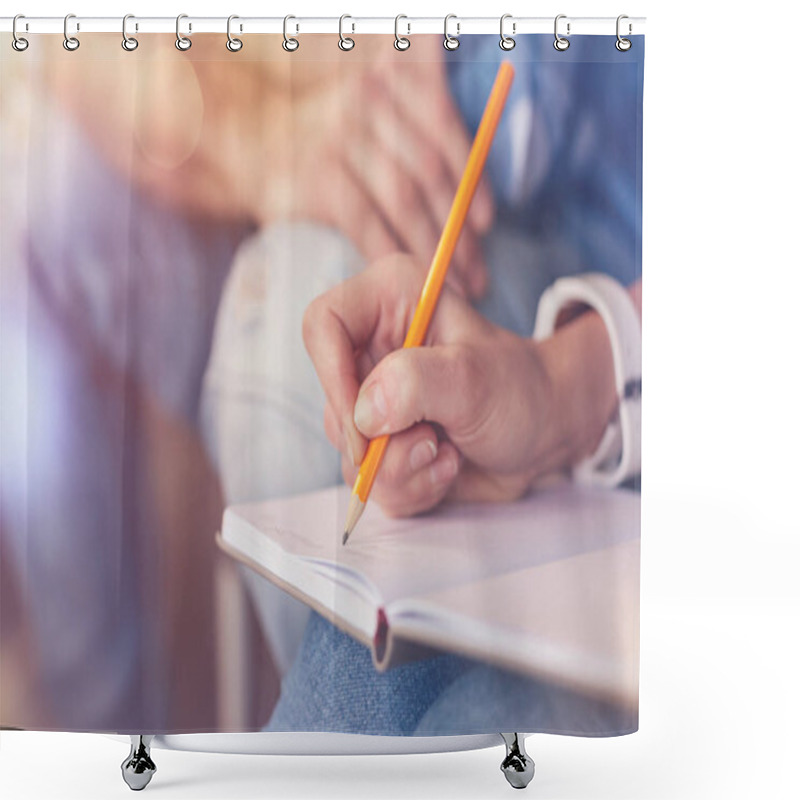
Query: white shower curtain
207, 260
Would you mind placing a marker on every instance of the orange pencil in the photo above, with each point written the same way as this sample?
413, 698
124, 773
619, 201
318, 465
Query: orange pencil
436, 274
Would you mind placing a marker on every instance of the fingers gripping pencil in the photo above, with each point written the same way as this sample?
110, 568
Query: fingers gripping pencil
436, 274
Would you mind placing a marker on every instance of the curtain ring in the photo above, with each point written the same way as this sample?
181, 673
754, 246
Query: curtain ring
345, 42
400, 42
289, 44
623, 44
17, 42
70, 42
129, 43
233, 44
182, 42
507, 42
561, 43
451, 42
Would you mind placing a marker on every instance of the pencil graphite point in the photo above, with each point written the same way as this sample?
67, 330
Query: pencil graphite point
354, 512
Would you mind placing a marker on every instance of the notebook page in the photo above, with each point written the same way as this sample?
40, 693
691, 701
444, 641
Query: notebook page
260, 533
559, 621
399, 558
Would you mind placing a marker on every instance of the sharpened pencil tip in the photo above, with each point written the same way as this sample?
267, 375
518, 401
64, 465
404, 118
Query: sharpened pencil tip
354, 512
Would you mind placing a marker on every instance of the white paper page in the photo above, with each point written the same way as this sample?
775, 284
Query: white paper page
454, 545
575, 620
299, 561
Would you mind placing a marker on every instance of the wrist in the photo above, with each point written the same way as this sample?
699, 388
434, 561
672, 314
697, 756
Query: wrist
617, 456
579, 362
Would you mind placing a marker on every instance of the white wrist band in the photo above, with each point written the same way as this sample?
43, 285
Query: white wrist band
619, 454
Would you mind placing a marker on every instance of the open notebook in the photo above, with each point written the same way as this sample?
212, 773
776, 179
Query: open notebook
547, 586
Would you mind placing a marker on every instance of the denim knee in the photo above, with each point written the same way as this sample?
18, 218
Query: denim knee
262, 405
334, 686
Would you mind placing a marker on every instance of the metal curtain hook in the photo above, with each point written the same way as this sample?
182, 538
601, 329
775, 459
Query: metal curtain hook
17, 42
451, 42
507, 42
400, 42
289, 44
182, 42
561, 43
129, 43
70, 42
233, 44
623, 44
345, 42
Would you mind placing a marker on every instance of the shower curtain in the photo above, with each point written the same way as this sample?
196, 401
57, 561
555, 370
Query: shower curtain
207, 258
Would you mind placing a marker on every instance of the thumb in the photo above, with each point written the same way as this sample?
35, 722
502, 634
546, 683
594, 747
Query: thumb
442, 384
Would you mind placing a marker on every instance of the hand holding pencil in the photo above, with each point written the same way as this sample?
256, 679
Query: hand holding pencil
478, 414
437, 273
438, 270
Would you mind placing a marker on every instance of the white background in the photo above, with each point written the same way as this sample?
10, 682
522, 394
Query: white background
720, 614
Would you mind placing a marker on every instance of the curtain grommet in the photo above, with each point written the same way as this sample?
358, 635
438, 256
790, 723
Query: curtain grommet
129, 43
346, 43
71, 43
507, 42
19, 43
451, 42
233, 44
622, 44
401, 42
289, 44
561, 43
183, 43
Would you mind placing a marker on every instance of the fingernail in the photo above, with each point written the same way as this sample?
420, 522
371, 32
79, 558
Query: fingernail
370, 410
422, 454
444, 470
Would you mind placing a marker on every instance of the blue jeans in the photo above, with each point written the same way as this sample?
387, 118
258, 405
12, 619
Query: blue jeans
333, 686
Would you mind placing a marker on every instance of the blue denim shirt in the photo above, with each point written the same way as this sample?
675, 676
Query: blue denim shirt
566, 163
